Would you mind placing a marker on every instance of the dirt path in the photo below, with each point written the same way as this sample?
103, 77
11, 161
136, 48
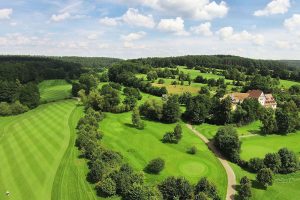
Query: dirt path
231, 180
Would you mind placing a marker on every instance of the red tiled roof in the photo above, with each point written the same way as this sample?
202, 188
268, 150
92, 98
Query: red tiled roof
254, 93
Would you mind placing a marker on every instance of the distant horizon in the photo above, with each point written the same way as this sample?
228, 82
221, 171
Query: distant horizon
32, 55
258, 29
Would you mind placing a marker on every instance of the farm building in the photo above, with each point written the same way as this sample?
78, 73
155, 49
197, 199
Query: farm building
266, 100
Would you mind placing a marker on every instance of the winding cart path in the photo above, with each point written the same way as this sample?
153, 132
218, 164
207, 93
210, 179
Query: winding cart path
231, 179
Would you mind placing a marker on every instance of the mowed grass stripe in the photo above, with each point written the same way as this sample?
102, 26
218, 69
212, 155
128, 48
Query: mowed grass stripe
15, 164
30, 154
31, 149
70, 180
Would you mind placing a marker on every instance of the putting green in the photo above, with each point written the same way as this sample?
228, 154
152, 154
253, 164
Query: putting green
193, 169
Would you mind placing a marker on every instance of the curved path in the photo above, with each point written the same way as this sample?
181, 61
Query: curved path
231, 179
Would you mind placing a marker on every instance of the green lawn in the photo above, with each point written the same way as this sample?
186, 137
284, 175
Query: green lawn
287, 83
140, 146
70, 179
52, 90
31, 148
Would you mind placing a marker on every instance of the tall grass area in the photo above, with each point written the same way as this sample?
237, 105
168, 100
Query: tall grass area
31, 148
53, 90
140, 146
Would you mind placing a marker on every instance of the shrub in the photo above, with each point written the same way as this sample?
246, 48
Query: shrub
175, 187
265, 177
273, 161
207, 188
244, 190
155, 166
256, 164
106, 188
161, 81
192, 150
289, 161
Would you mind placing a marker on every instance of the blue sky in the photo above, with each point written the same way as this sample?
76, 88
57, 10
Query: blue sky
141, 28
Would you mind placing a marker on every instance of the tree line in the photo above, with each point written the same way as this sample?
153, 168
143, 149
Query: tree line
226, 62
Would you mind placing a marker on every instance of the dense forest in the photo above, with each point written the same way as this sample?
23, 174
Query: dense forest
90, 62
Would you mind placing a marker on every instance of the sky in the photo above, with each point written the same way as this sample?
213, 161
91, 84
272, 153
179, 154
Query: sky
265, 29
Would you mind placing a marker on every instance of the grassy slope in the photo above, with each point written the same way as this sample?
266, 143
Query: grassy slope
287, 83
70, 180
140, 146
31, 148
52, 90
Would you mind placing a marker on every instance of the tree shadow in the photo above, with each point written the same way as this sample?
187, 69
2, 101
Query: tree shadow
129, 125
257, 185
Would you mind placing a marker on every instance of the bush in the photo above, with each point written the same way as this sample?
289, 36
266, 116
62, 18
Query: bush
207, 188
176, 187
244, 190
161, 81
227, 141
5, 109
289, 161
173, 137
256, 164
155, 166
192, 150
265, 177
273, 161
106, 188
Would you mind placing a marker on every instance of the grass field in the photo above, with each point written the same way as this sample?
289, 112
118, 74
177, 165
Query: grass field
70, 179
140, 146
287, 83
178, 89
52, 90
31, 148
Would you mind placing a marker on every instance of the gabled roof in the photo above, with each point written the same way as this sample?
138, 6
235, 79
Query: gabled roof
270, 100
255, 93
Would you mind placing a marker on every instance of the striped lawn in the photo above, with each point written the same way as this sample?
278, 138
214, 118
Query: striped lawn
31, 148
52, 90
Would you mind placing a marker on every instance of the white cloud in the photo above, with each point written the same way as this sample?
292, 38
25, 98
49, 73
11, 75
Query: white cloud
133, 17
175, 26
274, 7
282, 44
109, 21
196, 9
5, 13
15, 39
93, 36
293, 24
133, 36
227, 33
202, 29
60, 17
130, 38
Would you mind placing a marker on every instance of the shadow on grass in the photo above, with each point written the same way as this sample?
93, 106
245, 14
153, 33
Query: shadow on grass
257, 185
129, 125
